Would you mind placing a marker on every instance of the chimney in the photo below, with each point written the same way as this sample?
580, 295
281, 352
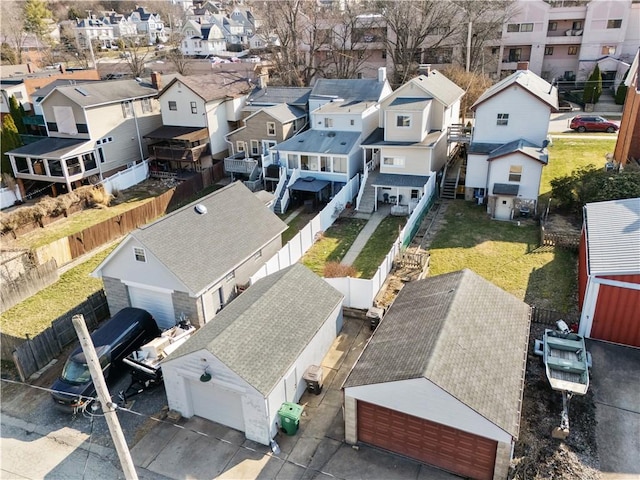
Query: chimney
29, 67
523, 66
424, 69
382, 74
62, 69
156, 80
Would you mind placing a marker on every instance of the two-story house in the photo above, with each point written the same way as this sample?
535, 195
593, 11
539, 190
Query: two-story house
202, 39
94, 129
508, 147
197, 112
342, 113
92, 29
149, 24
410, 143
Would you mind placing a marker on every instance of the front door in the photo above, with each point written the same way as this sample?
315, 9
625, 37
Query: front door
504, 208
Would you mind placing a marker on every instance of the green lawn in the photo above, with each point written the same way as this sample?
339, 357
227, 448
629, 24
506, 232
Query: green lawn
334, 244
505, 254
36, 313
378, 246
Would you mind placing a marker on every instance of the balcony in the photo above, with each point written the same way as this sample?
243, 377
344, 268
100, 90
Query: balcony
177, 153
240, 164
459, 133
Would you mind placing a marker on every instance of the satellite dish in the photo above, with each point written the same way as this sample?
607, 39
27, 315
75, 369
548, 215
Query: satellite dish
201, 209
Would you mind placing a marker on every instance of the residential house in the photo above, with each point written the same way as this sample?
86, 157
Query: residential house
197, 112
509, 148
149, 24
442, 377
13, 88
342, 113
122, 25
94, 129
192, 261
252, 357
202, 39
411, 142
628, 142
609, 271
92, 29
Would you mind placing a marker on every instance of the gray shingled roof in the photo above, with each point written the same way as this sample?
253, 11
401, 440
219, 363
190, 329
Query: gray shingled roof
263, 331
214, 86
285, 113
460, 332
52, 147
482, 148
275, 95
361, 89
527, 80
200, 249
108, 91
613, 237
440, 87
320, 141
414, 102
377, 139
60, 82
523, 146
395, 180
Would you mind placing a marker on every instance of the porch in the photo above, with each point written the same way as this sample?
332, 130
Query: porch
175, 152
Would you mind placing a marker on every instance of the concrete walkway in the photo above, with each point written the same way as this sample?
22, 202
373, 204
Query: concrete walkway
365, 234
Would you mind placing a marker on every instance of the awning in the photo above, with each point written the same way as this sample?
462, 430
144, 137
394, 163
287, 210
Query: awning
505, 189
187, 134
309, 184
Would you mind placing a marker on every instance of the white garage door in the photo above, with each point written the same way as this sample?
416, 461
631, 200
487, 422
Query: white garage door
158, 304
503, 208
217, 404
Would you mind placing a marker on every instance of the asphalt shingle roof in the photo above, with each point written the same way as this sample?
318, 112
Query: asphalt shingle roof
274, 95
350, 89
285, 113
523, 146
613, 237
461, 332
377, 138
108, 91
527, 80
320, 141
53, 147
215, 86
263, 331
440, 87
201, 248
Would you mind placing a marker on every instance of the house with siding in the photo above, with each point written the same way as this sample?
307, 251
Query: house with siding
94, 130
192, 261
508, 147
411, 141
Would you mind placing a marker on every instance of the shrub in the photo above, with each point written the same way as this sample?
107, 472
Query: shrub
593, 87
336, 269
38, 212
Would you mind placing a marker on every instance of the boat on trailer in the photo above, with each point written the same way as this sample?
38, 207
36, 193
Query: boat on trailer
567, 364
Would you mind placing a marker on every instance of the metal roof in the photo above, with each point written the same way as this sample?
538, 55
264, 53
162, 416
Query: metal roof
309, 184
460, 332
264, 330
613, 237
320, 141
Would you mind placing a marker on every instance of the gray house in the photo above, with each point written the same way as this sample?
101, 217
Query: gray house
240, 368
192, 261
442, 377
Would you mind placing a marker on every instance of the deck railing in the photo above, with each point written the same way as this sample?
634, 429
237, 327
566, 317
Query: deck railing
184, 154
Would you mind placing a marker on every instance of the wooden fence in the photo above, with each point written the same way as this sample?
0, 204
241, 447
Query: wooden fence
29, 283
550, 317
34, 353
412, 260
560, 240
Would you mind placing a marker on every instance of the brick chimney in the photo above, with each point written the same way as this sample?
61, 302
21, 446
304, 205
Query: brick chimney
523, 66
156, 80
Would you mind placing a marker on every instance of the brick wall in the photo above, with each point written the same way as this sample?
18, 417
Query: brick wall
191, 307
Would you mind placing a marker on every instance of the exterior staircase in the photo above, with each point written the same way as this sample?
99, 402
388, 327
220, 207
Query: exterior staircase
368, 200
449, 188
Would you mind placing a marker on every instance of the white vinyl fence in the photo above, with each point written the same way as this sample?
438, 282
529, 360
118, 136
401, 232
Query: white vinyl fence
127, 178
409, 230
8, 198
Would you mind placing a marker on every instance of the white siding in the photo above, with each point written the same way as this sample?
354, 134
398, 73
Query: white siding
422, 398
531, 172
182, 116
218, 126
477, 170
513, 101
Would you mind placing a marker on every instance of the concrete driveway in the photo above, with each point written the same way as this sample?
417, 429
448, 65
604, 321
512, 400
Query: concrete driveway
615, 380
203, 449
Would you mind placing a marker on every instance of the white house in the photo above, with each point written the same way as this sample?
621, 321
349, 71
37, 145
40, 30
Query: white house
410, 143
508, 147
192, 261
92, 28
149, 24
342, 113
239, 369
13, 88
442, 377
202, 39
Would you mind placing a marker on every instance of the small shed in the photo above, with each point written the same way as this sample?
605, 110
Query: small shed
609, 271
442, 378
241, 367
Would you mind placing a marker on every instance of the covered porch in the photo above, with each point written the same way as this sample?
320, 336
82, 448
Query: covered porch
176, 151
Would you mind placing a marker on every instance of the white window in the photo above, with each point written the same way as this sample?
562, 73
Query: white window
340, 164
608, 50
526, 27
503, 119
403, 121
146, 105
548, 50
240, 146
328, 122
194, 107
515, 173
139, 254
255, 147
173, 105
127, 109
271, 129
393, 161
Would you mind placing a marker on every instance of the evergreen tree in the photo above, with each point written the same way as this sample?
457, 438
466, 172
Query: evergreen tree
593, 87
17, 112
9, 140
35, 14
621, 93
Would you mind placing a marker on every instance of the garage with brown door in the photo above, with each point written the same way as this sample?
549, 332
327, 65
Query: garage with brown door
442, 377
433, 443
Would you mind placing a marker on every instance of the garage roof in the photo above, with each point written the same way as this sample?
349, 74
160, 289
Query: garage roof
460, 332
263, 331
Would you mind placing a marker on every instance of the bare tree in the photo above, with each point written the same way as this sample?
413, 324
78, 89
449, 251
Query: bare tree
135, 53
473, 83
13, 31
174, 17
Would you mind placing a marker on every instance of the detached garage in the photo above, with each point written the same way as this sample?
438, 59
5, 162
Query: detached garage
609, 271
442, 378
241, 367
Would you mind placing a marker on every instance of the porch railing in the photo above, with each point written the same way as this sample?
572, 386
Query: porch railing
236, 165
183, 154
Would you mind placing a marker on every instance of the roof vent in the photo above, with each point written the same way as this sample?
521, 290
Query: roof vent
201, 209
331, 134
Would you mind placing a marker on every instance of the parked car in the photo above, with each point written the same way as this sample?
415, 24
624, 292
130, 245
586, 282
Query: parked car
592, 123
125, 332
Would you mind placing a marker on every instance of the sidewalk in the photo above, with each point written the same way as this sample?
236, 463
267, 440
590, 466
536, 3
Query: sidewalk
364, 235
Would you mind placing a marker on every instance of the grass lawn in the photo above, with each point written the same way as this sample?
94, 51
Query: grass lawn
36, 313
378, 246
296, 224
569, 154
506, 255
334, 244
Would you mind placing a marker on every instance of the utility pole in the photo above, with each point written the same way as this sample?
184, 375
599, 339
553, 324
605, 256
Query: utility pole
469, 45
110, 414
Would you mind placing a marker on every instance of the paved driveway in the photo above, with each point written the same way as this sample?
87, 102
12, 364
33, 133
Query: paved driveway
615, 379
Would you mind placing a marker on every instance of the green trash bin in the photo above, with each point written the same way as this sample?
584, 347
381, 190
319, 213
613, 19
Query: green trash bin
290, 414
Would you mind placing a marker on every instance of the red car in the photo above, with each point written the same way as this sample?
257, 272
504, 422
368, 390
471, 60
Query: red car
592, 123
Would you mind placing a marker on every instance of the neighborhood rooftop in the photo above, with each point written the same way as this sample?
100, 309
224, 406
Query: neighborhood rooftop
100, 93
527, 80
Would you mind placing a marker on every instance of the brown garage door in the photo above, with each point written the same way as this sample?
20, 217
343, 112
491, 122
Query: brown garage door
445, 447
